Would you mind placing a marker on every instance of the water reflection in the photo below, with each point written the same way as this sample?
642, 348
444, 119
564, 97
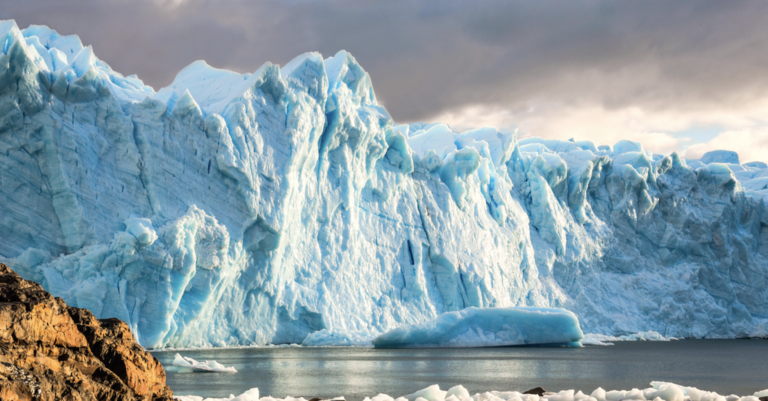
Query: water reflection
725, 366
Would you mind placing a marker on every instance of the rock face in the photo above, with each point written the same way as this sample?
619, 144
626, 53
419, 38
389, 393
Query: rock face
49, 351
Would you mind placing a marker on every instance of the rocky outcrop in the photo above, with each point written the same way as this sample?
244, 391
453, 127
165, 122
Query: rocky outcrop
49, 351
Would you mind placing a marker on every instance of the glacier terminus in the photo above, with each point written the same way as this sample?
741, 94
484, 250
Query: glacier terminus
268, 207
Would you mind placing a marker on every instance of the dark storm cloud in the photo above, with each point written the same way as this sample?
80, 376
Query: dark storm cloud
426, 57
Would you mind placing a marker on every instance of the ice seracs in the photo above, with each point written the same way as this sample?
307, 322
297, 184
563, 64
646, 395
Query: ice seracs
489, 327
285, 205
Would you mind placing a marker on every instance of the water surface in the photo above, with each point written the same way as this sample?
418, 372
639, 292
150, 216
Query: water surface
726, 366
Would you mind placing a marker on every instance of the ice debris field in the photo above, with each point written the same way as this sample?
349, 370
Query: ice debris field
285, 206
659, 391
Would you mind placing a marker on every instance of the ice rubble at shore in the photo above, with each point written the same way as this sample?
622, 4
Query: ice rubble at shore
186, 364
473, 327
659, 391
286, 206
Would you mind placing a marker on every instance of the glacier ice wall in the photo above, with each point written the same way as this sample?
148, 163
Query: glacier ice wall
259, 208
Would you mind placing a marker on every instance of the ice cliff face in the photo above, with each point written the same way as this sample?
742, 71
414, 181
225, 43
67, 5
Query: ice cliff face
258, 208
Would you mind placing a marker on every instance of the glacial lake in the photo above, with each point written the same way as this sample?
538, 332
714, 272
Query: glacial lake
725, 366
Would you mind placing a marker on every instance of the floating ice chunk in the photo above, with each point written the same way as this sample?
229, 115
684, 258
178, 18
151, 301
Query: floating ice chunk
431, 393
720, 156
207, 366
250, 395
598, 394
142, 230
380, 397
458, 391
667, 392
660, 391
476, 327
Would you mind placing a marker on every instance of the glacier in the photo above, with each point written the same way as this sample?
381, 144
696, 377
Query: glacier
488, 327
286, 205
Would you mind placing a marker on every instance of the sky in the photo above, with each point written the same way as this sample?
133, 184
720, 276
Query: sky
685, 76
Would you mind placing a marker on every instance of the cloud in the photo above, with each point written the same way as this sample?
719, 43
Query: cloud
597, 69
751, 144
604, 127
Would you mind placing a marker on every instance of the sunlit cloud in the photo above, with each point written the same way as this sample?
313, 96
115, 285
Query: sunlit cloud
742, 128
750, 143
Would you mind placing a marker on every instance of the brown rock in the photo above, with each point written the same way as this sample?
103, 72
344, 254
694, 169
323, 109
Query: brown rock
49, 351
538, 391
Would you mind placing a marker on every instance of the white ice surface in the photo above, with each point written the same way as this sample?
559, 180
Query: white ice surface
659, 391
249, 209
207, 366
602, 339
488, 327
250, 395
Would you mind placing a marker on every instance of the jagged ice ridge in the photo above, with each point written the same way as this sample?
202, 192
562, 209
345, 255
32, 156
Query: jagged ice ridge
233, 209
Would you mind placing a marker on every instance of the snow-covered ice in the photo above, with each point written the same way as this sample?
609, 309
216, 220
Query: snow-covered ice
187, 364
488, 327
285, 205
659, 391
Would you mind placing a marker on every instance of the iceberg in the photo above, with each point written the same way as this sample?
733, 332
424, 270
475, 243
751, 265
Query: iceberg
488, 327
191, 365
261, 208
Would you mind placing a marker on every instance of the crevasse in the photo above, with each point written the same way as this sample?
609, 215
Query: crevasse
259, 208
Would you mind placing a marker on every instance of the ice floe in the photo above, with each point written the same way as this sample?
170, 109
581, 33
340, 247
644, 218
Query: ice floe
186, 364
